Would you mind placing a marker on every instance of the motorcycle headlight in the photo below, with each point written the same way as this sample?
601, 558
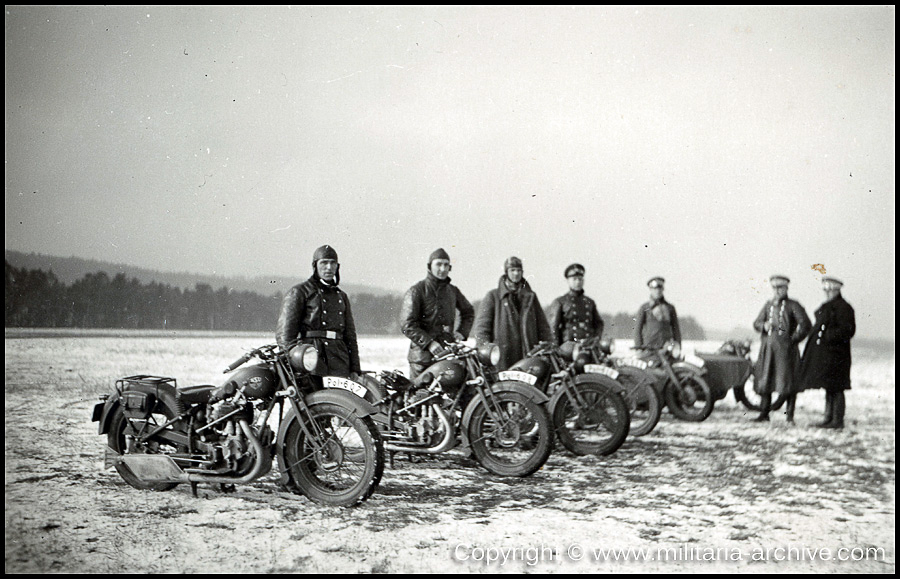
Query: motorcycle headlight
304, 357
607, 346
489, 354
675, 350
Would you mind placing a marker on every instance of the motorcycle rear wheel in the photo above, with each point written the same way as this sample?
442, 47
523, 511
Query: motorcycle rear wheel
691, 399
122, 444
599, 427
644, 402
519, 443
348, 468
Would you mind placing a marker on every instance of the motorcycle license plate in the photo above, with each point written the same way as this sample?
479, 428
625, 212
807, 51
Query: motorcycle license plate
634, 362
601, 369
695, 360
345, 384
518, 376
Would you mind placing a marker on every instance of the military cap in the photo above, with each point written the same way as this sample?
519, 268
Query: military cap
512, 262
438, 253
656, 282
779, 280
574, 269
834, 282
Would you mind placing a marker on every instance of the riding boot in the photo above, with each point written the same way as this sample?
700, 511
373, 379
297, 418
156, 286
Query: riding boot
765, 404
840, 406
829, 410
791, 404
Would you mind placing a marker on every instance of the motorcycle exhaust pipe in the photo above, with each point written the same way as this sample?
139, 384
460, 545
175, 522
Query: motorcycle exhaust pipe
448, 442
161, 468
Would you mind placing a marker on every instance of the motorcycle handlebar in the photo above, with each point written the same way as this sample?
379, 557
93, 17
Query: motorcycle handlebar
239, 362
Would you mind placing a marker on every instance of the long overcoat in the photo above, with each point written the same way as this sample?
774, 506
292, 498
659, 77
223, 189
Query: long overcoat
515, 329
826, 359
309, 311
778, 365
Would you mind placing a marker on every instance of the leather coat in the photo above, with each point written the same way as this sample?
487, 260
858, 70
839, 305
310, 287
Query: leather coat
826, 359
778, 364
429, 311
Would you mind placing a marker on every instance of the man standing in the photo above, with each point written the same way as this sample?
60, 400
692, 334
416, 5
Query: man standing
428, 314
511, 316
782, 324
826, 359
656, 322
318, 312
574, 316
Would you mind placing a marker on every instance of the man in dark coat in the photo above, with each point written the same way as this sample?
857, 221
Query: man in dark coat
782, 324
428, 314
511, 316
656, 321
574, 316
318, 312
826, 359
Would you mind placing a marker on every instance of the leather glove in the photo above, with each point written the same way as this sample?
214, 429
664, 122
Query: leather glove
436, 348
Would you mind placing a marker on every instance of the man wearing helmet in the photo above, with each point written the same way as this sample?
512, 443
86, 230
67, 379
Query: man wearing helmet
511, 316
428, 314
318, 312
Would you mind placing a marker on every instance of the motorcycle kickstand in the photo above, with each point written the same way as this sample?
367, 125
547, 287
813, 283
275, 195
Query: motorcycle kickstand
194, 488
391, 457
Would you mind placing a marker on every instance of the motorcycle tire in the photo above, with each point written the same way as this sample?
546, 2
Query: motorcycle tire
348, 469
746, 395
519, 444
600, 427
644, 402
117, 440
691, 398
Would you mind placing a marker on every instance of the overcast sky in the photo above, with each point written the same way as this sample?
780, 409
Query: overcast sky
711, 146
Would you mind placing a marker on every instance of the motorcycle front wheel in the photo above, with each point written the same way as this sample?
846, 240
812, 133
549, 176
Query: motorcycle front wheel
644, 402
691, 398
511, 438
597, 424
343, 466
127, 444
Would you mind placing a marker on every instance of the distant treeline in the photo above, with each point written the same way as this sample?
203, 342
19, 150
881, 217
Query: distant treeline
37, 299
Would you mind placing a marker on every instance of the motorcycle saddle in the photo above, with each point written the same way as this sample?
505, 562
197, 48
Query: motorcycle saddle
196, 394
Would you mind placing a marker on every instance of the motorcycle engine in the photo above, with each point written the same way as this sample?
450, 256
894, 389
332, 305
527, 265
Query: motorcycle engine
420, 421
230, 450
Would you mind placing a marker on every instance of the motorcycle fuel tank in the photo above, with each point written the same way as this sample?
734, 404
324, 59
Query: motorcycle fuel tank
450, 374
257, 381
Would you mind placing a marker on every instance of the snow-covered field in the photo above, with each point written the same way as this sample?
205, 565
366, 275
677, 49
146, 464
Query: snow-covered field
722, 495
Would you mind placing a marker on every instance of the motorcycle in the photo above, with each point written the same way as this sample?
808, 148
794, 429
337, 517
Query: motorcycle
732, 368
160, 435
681, 382
644, 402
589, 411
459, 401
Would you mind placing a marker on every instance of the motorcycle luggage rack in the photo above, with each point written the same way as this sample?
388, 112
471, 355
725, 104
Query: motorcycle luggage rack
146, 380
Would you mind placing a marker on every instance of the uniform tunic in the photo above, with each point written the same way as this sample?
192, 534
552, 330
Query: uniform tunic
574, 316
826, 359
315, 307
778, 365
656, 323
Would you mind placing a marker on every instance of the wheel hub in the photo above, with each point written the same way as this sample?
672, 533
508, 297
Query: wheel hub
330, 456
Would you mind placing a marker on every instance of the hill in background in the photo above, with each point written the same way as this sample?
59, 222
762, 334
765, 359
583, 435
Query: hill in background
71, 269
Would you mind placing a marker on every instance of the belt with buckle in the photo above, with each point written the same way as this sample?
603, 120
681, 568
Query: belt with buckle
321, 334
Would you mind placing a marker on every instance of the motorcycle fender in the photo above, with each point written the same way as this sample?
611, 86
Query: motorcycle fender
162, 395
588, 378
689, 367
525, 390
329, 396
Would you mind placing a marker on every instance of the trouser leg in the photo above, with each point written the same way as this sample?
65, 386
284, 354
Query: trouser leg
829, 409
765, 404
791, 402
840, 406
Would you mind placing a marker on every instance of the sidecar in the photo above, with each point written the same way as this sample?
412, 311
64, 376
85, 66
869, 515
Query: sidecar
729, 368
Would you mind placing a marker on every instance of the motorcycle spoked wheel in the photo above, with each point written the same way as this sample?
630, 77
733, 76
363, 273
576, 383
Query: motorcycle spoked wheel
519, 443
599, 427
348, 468
691, 399
746, 395
122, 444
644, 402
